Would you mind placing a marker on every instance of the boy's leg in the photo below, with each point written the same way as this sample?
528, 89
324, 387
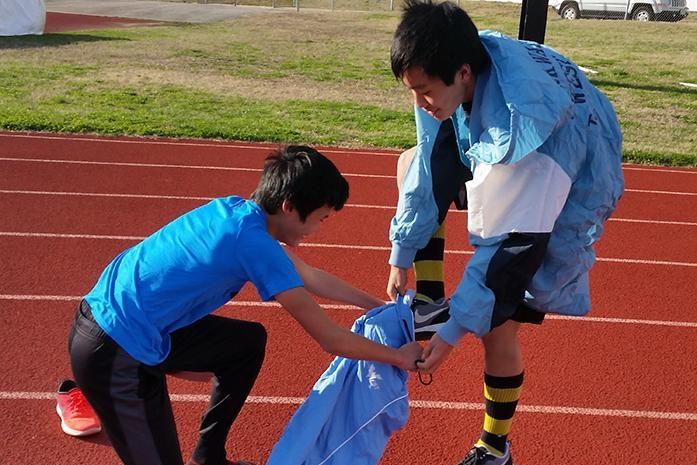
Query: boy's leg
130, 398
428, 262
503, 380
233, 351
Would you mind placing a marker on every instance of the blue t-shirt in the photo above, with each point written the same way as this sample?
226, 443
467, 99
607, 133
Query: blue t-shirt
186, 270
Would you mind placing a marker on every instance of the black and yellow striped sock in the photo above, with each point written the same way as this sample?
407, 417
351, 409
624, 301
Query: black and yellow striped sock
428, 268
501, 395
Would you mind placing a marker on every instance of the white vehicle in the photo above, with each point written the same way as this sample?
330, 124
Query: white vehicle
640, 10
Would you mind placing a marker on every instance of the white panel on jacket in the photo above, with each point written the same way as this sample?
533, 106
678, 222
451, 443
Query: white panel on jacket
525, 197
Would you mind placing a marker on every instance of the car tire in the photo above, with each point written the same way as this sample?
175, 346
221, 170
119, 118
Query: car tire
570, 11
642, 13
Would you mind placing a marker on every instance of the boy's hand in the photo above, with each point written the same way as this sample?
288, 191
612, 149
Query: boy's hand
411, 352
434, 354
397, 283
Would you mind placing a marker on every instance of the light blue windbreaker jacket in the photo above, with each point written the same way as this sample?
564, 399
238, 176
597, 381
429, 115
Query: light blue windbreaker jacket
355, 405
544, 147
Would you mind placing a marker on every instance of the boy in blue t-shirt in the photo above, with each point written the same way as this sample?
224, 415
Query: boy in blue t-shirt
149, 313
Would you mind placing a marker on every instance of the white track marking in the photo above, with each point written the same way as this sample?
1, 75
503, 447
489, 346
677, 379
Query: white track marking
212, 144
265, 147
647, 191
318, 245
162, 165
250, 170
163, 197
115, 195
632, 220
418, 404
254, 303
656, 170
348, 205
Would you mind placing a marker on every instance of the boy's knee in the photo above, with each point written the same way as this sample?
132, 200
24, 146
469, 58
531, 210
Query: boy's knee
502, 338
403, 164
257, 339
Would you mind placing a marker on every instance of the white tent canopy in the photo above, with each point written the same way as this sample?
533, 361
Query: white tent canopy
20, 17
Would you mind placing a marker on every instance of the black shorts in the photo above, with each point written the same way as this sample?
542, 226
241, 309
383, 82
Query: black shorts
527, 314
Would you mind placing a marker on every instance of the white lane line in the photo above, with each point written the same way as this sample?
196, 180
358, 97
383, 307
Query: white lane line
323, 246
470, 252
627, 321
632, 220
253, 303
72, 236
116, 195
647, 191
420, 404
167, 197
251, 170
657, 170
265, 148
348, 205
161, 165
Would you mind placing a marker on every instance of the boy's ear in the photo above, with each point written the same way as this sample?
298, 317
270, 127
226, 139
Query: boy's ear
465, 72
286, 206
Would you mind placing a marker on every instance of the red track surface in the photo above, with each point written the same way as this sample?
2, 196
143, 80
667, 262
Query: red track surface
615, 388
64, 22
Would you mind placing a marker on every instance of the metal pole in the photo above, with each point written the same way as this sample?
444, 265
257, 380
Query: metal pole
533, 20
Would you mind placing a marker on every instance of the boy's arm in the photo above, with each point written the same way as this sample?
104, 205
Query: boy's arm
339, 341
435, 160
397, 282
323, 284
416, 218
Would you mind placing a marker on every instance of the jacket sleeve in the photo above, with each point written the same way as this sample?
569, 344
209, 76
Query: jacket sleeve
416, 219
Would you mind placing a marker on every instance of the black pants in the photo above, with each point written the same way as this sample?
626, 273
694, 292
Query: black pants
131, 398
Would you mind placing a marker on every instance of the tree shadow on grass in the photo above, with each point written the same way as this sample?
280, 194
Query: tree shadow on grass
49, 40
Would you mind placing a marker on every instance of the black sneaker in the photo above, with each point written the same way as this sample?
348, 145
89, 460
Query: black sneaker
480, 455
429, 317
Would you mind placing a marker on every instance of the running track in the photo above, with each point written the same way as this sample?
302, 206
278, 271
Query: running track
615, 388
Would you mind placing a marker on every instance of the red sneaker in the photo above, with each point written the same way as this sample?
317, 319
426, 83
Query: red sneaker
77, 416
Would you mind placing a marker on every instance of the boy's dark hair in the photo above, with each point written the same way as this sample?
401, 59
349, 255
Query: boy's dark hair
304, 177
439, 38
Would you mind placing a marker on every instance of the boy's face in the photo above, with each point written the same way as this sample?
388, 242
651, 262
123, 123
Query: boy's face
293, 231
437, 99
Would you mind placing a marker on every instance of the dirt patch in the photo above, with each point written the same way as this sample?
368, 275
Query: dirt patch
268, 89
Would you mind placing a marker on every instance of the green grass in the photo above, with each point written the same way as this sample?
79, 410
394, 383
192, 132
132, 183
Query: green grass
320, 77
173, 111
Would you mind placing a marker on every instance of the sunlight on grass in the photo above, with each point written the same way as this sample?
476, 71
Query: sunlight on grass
320, 77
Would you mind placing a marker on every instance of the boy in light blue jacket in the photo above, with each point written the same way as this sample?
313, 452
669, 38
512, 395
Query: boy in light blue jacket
538, 148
